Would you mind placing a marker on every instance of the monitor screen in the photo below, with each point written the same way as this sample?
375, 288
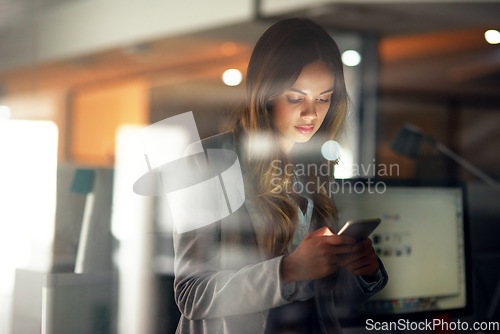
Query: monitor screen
422, 241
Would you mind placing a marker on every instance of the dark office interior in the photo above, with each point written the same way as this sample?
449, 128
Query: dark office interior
96, 71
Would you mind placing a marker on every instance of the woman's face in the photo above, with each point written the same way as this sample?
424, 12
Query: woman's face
300, 110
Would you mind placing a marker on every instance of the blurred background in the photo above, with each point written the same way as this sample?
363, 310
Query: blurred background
77, 77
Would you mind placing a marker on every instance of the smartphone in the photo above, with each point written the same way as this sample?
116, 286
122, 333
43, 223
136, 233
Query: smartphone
359, 228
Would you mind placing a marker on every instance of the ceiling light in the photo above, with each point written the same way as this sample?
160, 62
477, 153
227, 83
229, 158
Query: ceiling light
492, 36
232, 77
351, 58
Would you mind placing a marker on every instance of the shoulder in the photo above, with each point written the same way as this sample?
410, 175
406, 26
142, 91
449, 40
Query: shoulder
220, 141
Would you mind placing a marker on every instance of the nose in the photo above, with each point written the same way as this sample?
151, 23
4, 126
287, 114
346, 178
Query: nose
309, 112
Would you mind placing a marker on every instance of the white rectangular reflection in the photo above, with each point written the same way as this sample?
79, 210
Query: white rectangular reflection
28, 172
132, 225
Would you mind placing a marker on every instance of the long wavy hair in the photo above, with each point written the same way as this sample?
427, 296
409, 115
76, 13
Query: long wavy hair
276, 62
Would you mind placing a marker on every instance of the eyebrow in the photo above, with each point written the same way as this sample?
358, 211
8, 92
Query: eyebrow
303, 93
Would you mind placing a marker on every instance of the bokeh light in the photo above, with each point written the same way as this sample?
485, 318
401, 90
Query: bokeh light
331, 150
232, 77
492, 36
351, 58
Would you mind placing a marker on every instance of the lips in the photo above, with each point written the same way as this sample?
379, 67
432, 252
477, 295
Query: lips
305, 129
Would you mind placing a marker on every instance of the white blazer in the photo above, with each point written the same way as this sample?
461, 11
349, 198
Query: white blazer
225, 283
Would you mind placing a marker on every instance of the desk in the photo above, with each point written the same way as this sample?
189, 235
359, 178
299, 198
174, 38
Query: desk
64, 303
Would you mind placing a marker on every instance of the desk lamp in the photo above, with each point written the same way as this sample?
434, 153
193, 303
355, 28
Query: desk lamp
409, 138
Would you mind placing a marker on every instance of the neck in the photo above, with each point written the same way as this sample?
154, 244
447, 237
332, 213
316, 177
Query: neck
286, 145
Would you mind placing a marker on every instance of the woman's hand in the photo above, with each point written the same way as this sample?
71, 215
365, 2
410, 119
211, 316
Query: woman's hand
362, 260
318, 255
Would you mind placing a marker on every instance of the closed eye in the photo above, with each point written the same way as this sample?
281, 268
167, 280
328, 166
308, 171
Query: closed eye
325, 97
291, 100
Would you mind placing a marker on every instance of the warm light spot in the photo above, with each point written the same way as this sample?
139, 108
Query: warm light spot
229, 48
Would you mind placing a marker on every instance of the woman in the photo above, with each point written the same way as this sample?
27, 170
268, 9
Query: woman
278, 255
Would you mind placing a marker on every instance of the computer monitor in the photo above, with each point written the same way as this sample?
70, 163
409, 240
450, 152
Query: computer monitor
422, 241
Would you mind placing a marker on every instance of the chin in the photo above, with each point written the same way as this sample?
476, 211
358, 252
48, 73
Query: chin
303, 139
